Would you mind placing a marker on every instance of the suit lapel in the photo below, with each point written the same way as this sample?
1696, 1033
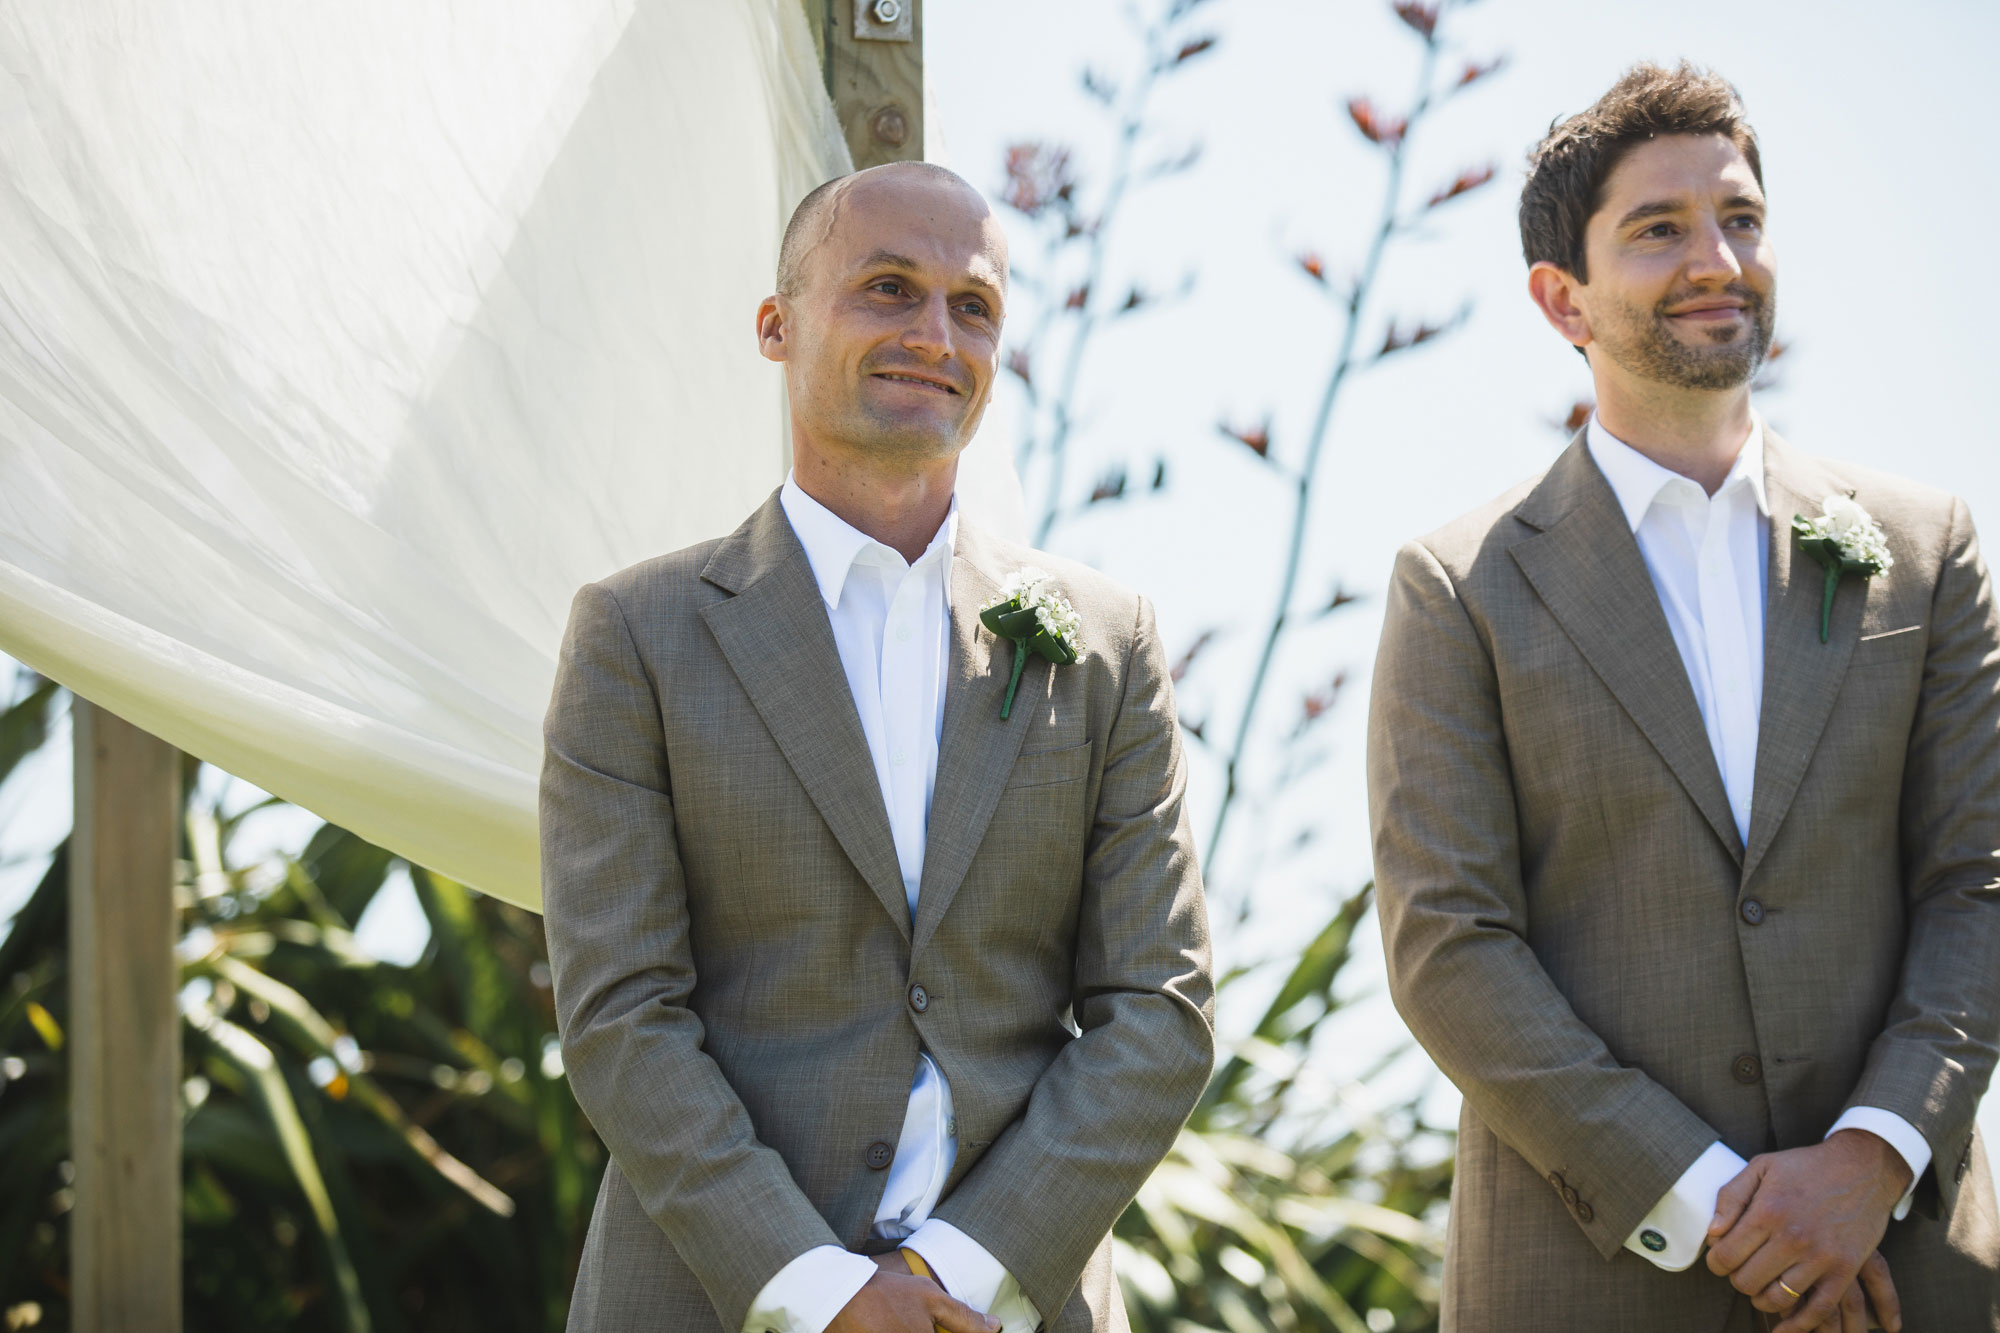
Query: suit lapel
976, 750
1586, 567
1802, 676
779, 643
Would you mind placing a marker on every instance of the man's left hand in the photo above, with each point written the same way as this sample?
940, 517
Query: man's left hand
1808, 1218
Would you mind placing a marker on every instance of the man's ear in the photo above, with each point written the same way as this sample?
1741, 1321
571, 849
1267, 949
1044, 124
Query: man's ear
773, 323
1553, 290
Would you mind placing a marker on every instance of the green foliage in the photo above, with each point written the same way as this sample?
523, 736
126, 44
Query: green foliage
1338, 1230
366, 1146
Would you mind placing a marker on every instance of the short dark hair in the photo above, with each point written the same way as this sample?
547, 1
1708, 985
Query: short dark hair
809, 223
1568, 168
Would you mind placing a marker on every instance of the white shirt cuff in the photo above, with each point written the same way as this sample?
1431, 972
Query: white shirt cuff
1671, 1236
809, 1291
967, 1271
1899, 1134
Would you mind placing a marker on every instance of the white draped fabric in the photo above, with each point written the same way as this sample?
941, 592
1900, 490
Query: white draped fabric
339, 343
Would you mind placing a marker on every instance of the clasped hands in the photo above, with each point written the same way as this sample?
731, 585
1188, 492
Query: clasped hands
1797, 1231
897, 1301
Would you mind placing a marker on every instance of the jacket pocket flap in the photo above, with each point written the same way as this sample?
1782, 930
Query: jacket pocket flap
1040, 768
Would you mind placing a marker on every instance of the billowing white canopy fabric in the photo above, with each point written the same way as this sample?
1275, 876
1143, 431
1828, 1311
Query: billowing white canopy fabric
340, 343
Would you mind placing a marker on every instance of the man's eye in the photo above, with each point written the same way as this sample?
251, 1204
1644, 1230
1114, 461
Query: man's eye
889, 285
1659, 229
1747, 221
973, 308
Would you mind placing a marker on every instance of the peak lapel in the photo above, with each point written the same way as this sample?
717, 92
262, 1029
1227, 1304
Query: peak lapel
1586, 567
778, 641
976, 750
1802, 676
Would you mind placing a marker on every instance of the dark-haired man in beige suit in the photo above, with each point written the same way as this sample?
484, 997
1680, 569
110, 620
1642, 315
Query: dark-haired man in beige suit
884, 1003
1686, 851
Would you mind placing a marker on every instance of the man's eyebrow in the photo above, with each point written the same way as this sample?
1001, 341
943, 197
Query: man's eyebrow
890, 259
882, 259
1652, 209
1666, 207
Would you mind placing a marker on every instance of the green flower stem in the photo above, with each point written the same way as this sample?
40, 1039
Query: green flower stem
1826, 603
1020, 663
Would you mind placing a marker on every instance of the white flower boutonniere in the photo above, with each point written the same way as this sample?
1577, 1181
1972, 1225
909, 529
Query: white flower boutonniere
1037, 619
1847, 541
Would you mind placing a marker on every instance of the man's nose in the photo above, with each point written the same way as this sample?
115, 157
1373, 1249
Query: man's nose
928, 333
1712, 258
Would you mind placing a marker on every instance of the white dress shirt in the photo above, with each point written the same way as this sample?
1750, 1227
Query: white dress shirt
891, 623
1709, 557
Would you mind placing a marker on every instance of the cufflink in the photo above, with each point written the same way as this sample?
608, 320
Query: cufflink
1652, 1240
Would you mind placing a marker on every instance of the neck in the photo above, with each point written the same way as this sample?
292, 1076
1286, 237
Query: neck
1696, 434
900, 504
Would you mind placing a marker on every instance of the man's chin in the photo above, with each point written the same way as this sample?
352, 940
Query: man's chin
916, 441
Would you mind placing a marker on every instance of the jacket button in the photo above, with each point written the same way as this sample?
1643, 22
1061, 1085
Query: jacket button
920, 999
1585, 1213
879, 1155
1569, 1196
1555, 1179
1753, 911
1747, 1068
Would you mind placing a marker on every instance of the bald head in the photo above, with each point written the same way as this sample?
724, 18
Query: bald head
815, 217
892, 290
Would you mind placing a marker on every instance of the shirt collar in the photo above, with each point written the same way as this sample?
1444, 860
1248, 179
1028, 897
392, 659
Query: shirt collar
833, 546
1637, 480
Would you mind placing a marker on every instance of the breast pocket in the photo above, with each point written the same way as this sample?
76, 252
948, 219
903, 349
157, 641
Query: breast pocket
1046, 768
1891, 646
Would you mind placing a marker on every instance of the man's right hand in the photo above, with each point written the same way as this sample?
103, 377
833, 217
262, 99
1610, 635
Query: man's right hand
895, 1302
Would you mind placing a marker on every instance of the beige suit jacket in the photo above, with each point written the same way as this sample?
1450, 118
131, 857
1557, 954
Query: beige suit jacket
1579, 937
736, 972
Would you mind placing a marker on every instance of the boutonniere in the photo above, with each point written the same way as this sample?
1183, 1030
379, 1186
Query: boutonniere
1037, 619
1847, 541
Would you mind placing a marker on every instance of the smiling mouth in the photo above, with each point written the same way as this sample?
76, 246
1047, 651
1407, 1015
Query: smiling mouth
920, 383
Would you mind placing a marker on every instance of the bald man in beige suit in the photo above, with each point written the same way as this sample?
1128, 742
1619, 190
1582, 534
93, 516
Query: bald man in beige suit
880, 961
1687, 873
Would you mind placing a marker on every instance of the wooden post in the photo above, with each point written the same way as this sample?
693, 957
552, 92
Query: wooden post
872, 58
125, 1040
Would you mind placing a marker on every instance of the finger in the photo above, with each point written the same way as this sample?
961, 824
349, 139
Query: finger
1882, 1292
1733, 1198
1820, 1306
955, 1316
1779, 1257
892, 1262
1853, 1310
1782, 1295
1745, 1237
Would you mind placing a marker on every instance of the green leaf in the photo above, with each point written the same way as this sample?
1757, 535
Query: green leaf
25, 725
260, 1069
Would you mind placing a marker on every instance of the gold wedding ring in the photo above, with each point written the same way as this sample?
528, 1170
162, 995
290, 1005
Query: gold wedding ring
1795, 1295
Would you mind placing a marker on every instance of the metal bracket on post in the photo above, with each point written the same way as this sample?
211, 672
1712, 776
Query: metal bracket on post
874, 67
884, 20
